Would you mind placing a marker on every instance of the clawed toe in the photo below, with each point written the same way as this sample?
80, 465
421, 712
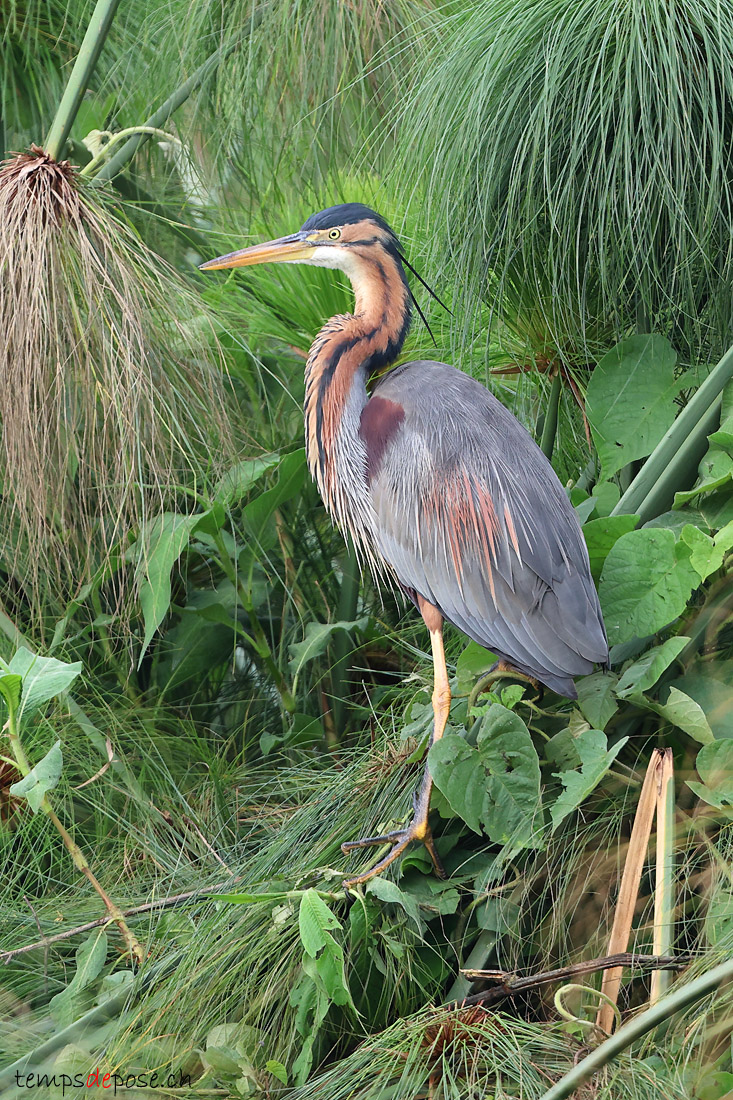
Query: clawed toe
399, 840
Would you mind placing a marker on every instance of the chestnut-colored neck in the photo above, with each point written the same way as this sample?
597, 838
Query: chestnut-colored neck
346, 351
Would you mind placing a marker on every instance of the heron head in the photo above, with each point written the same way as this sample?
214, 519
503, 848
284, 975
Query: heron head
342, 236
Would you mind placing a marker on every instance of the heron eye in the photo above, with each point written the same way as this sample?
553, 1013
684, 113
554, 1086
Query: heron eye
334, 234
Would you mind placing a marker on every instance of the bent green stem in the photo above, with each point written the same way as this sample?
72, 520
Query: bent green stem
78, 858
90, 168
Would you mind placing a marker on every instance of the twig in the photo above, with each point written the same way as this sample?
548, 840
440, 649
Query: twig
137, 952
102, 770
509, 988
161, 903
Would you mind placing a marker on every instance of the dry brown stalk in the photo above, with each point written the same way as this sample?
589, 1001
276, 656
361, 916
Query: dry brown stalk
663, 901
629, 889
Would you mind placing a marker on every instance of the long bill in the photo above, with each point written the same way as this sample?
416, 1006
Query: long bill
292, 249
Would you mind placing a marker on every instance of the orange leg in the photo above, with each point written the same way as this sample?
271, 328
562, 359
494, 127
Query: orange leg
419, 828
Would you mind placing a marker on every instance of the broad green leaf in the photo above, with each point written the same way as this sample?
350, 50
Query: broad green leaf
722, 439
304, 730
646, 583
312, 1006
460, 777
277, 1069
328, 968
494, 787
113, 984
630, 400
389, 891
645, 672
229, 1048
681, 711
717, 509
292, 474
420, 721
703, 555
561, 750
10, 688
317, 639
677, 520
719, 916
601, 534
511, 695
710, 684
596, 759
584, 508
715, 767
596, 698
724, 537
473, 662
434, 896
236, 482
159, 547
43, 679
40, 779
605, 497
498, 914
90, 958
715, 472
707, 553
315, 921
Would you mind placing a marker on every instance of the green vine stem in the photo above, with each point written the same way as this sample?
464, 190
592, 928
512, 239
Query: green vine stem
91, 167
487, 682
566, 1014
680, 998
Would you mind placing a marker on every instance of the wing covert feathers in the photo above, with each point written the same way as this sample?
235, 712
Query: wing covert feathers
471, 516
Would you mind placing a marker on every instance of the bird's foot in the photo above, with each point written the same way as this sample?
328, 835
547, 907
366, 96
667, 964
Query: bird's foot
418, 829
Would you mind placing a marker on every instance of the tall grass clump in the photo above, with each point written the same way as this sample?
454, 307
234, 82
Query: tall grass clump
576, 164
300, 87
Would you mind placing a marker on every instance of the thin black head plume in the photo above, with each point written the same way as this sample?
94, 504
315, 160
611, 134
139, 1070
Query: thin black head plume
430, 291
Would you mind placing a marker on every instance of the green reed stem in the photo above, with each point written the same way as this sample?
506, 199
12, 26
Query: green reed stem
84, 66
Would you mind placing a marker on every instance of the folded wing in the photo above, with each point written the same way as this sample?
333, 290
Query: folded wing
471, 516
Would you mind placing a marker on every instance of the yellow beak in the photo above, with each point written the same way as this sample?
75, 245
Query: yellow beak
293, 249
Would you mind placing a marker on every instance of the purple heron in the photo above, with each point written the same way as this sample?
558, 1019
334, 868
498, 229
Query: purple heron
438, 485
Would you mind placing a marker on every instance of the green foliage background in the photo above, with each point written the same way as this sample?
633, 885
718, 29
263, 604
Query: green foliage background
206, 691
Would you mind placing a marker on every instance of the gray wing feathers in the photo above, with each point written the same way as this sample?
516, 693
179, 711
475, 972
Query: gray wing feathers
471, 516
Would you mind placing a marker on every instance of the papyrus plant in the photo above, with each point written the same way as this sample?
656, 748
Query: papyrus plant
109, 396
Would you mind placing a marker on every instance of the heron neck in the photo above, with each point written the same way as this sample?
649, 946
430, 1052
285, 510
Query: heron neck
346, 351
